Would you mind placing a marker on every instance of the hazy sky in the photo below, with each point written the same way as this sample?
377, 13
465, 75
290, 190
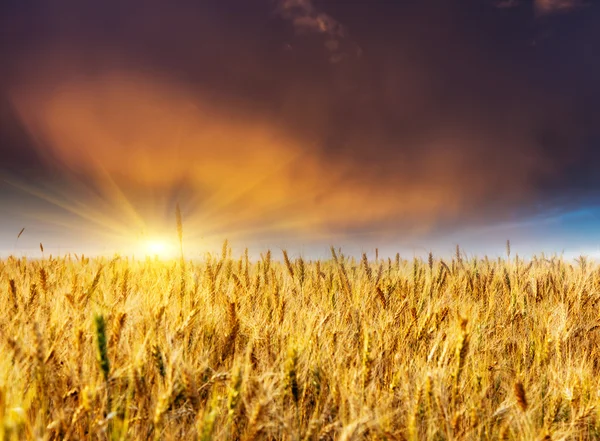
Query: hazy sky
409, 125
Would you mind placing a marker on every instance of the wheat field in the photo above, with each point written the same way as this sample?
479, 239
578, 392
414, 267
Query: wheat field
281, 348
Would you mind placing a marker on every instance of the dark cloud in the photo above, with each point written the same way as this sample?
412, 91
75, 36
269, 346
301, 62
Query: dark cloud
543, 7
556, 6
507, 4
306, 18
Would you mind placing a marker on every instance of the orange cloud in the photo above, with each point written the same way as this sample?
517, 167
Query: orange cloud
141, 140
149, 137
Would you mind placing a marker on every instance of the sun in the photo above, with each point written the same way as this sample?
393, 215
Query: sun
158, 247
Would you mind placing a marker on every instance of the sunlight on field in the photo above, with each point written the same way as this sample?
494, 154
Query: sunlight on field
159, 247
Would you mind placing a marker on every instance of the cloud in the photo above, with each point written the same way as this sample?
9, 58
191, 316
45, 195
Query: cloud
545, 7
248, 173
306, 18
542, 7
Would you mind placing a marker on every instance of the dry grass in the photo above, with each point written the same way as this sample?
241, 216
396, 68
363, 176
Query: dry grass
344, 349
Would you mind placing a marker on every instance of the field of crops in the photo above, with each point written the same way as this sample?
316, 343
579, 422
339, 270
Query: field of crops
281, 348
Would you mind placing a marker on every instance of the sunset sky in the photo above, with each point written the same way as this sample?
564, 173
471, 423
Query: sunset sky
406, 125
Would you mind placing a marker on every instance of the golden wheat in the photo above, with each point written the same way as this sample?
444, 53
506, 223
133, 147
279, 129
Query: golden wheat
227, 348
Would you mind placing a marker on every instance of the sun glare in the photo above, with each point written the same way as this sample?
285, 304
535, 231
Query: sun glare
158, 247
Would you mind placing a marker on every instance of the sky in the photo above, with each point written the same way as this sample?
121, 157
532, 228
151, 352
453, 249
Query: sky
408, 125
